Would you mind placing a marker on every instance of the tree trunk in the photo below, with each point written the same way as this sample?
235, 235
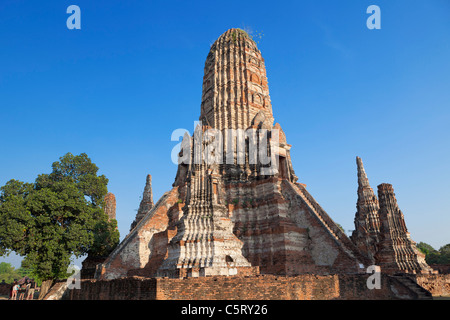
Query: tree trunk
45, 287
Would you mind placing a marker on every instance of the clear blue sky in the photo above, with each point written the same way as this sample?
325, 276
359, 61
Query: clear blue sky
117, 88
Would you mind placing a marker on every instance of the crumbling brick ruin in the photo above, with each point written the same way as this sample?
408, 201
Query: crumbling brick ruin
381, 232
238, 216
110, 206
146, 202
396, 251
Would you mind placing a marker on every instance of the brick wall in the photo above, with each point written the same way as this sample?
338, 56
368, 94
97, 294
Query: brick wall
141, 252
442, 268
437, 284
307, 287
133, 288
89, 266
5, 288
262, 287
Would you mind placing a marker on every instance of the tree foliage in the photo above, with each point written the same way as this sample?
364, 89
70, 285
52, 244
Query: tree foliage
433, 256
59, 215
8, 273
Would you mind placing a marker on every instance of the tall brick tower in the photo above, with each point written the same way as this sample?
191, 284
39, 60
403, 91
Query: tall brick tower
239, 213
146, 203
234, 92
235, 87
397, 253
367, 223
110, 205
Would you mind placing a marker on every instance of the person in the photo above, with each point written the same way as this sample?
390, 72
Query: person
15, 290
22, 290
31, 289
27, 288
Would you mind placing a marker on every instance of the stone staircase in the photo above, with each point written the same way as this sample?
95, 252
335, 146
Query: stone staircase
422, 293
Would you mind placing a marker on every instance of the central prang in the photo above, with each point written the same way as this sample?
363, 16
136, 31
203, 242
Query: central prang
236, 207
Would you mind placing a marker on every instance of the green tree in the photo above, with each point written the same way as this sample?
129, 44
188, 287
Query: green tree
444, 252
59, 216
433, 256
28, 272
425, 248
8, 273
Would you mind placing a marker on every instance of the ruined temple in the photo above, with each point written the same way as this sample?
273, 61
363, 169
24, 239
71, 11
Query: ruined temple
110, 206
380, 230
236, 211
146, 203
397, 252
367, 222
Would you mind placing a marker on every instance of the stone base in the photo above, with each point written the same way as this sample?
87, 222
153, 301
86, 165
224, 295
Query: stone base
208, 271
262, 287
89, 266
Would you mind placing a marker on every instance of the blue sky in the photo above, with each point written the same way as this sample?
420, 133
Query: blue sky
117, 88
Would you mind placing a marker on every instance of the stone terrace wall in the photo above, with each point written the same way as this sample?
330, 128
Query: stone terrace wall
5, 288
263, 287
437, 284
132, 288
267, 287
442, 268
